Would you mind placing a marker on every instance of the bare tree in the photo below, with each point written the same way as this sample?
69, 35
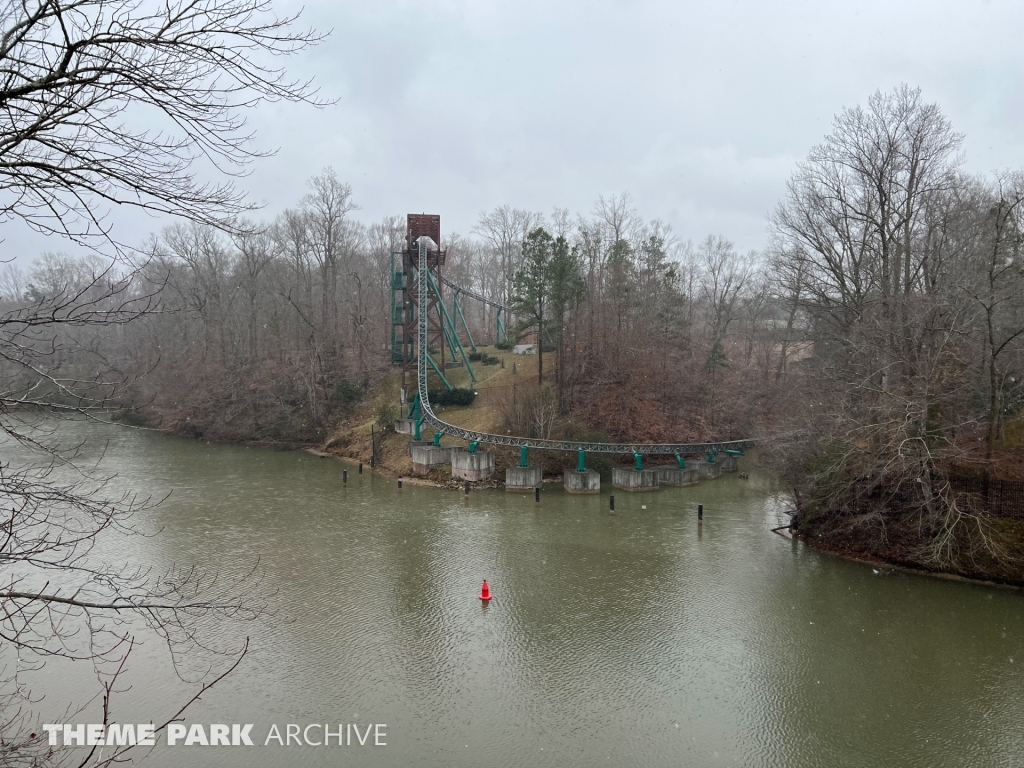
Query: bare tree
59, 599
787, 281
999, 289
505, 229
723, 276
108, 104
257, 250
72, 69
12, 283
618, 216
877, 235
330, 241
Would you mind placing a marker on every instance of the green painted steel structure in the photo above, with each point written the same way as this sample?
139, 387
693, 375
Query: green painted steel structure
406, 312
474, 438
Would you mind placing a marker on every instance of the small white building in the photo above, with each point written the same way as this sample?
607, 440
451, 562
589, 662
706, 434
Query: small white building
524, 349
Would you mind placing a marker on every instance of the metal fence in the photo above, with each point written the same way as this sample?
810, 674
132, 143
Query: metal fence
997, 498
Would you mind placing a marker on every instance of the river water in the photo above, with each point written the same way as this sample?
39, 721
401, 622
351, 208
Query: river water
639, 639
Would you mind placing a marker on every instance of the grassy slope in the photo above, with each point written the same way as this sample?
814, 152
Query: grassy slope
352, 438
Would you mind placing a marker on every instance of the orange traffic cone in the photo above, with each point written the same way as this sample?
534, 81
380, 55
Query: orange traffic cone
485, 591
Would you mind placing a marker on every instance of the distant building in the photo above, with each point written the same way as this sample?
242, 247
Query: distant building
524, 349
796, 352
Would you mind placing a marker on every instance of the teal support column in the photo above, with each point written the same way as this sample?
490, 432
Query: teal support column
711, 457
419, 423
680, 461
462, 316
473, 446
451, 332
580, 465
639, 459
452, 344
437, 438
437, 371
732, 452
522, 456
414, 410
499, 327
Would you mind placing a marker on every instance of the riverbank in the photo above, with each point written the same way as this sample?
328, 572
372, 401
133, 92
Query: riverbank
365, 433
901, 545
392, 459
438, 478
878, 564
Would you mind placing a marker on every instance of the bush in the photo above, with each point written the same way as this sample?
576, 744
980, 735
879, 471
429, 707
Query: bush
455, 396
345, 394
476, 357
504, 345
490, 360
387, 413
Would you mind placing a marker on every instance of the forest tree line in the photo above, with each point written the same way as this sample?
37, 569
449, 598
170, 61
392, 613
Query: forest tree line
878, 339
272, 330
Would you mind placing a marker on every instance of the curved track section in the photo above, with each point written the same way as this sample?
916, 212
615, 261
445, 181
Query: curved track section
551, 445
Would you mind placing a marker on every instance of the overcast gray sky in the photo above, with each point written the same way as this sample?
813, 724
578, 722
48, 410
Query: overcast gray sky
699, 110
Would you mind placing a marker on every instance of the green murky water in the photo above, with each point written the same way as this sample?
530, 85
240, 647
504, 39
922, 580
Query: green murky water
639, 639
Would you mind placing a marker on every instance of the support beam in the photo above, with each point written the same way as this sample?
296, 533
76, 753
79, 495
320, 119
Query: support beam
459, 315
437, 370
499, 327
449, 327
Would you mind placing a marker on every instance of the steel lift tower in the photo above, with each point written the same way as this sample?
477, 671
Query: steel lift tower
442, 332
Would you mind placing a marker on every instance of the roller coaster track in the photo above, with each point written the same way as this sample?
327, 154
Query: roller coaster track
472, 436
474, 295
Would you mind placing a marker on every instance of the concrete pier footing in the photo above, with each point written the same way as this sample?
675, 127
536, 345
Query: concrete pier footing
729, 463
472, 466
425, 457
587, 481
405, 427
523, 478
673, 475
419, 444
709, 471
635, 480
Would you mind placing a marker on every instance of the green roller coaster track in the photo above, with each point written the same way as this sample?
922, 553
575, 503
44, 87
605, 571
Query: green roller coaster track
423, 413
